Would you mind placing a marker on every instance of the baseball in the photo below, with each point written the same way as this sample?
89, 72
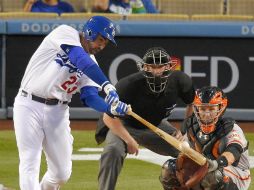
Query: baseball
185, 144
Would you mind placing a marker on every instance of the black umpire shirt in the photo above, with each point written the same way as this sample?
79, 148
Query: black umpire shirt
134, 90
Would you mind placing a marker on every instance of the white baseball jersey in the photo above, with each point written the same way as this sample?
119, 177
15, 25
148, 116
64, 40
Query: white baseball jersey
50, 74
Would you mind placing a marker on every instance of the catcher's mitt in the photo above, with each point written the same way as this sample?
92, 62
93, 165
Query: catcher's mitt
188, 172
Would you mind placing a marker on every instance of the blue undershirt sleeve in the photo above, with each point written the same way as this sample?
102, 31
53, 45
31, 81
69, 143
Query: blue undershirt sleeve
89, 96
84, 62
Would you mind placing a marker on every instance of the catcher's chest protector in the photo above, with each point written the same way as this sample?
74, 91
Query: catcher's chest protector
209, 144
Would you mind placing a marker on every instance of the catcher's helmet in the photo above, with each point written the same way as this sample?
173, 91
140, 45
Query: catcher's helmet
209, 104
99, 25
156, 58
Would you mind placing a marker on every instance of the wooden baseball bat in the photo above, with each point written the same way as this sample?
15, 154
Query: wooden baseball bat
191, 153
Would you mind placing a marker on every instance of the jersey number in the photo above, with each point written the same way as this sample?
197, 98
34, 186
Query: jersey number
67, 84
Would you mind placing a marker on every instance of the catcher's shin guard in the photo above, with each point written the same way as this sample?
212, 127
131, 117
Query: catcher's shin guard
227, 184
168, 177
216, 180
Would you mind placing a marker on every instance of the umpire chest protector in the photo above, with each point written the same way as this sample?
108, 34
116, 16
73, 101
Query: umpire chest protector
151, 106
209, 144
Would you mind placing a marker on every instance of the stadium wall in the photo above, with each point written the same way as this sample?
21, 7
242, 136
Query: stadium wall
214, 53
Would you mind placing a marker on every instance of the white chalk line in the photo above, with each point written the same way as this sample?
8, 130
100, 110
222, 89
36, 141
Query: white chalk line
144, 155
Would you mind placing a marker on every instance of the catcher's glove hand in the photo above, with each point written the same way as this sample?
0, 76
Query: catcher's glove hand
188, 172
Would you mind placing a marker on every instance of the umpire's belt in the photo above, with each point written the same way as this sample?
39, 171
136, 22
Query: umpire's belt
43, 100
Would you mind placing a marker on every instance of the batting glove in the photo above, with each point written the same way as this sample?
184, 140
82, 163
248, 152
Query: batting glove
107, 87
118, 109
112, 98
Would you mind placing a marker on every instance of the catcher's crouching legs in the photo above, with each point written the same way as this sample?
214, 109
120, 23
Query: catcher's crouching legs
168, 177
216, 180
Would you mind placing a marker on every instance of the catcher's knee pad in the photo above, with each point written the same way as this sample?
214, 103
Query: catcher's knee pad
168, 177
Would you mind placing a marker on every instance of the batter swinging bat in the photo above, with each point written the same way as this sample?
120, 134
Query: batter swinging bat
182, 147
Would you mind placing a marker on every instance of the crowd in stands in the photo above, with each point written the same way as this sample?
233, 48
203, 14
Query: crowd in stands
49, 6
124, 7
172, 10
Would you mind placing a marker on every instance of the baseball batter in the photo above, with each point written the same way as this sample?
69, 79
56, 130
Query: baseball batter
220, 139
62, 65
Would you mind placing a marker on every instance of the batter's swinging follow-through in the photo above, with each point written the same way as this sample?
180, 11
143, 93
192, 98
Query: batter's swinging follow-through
62, 65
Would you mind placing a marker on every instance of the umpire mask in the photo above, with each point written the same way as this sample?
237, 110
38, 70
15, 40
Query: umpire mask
156, 66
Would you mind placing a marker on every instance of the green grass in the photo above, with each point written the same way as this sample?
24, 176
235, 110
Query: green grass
250, 137
136, 174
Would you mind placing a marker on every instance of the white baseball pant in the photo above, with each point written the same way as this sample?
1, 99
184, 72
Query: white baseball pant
39, 126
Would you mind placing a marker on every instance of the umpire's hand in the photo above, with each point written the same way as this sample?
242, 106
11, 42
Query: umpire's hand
132, 147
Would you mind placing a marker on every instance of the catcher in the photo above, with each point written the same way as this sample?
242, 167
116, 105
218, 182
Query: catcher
219, 139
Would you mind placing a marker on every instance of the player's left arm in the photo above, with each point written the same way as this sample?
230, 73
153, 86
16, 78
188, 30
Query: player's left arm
89, 95
230, 155
66, 38
87, 65
235, 144
84, 62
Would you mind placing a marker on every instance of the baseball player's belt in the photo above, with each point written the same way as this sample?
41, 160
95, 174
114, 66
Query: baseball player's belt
43, 100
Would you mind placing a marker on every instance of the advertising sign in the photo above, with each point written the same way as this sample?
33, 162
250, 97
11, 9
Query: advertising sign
224, 62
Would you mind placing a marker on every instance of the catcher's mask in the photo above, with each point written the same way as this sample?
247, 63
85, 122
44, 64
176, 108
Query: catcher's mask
209, 104
156, 66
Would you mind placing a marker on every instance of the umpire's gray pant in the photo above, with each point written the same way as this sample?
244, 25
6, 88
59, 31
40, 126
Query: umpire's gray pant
115, 151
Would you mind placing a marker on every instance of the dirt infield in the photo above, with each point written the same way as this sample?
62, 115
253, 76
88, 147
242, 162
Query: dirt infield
91, 125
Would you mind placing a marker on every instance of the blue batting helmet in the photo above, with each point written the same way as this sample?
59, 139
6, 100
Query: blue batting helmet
99, 25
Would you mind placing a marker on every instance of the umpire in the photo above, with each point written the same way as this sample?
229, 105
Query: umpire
152, 93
